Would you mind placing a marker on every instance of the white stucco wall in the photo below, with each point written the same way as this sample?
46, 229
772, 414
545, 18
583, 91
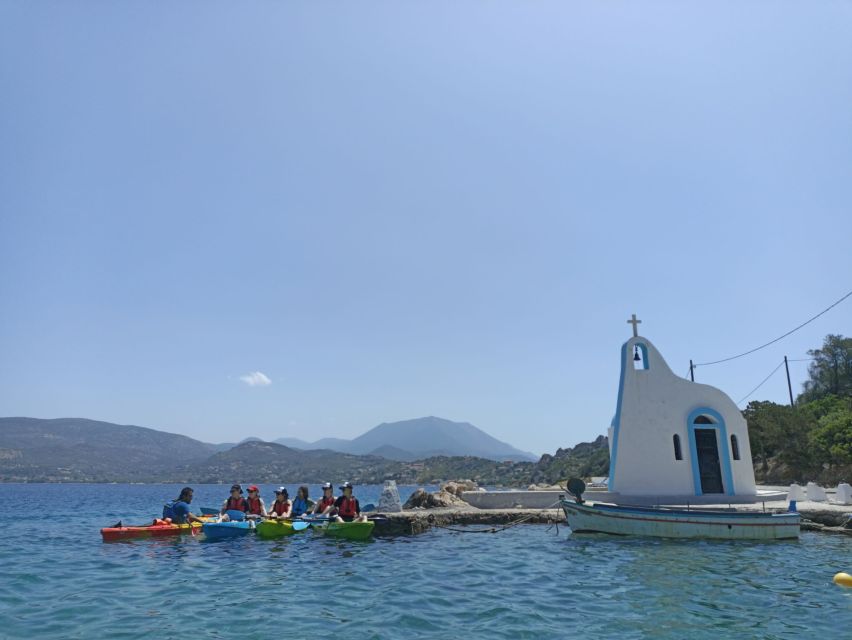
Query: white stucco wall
655, 404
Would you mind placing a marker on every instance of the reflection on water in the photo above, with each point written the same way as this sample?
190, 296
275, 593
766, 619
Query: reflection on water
60, 580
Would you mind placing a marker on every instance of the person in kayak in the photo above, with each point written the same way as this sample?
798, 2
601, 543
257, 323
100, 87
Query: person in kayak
282, 507
180, 513
235, 501
302, 503
254, 503
347, 508
325, 504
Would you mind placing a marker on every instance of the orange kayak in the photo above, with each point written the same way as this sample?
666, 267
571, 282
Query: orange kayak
111, 534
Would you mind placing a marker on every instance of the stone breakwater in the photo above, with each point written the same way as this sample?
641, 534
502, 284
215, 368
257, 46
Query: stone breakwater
416, 521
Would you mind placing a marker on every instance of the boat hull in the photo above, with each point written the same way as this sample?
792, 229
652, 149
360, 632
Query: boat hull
113, 534
347, 530
275, 529
220, 530
674, 523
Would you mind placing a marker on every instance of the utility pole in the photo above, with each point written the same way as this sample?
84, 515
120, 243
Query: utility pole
789, 386
691, 371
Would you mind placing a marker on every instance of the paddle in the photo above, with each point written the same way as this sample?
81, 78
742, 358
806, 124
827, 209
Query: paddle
235, 515
369, 507
301, 526
377, 518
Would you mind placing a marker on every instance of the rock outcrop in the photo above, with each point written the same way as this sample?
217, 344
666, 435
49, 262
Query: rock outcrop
422, 499
458, 486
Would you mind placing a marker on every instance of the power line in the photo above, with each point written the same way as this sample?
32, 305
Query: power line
761, 383
763, 346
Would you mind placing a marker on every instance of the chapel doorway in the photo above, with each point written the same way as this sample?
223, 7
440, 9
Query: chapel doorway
709, 469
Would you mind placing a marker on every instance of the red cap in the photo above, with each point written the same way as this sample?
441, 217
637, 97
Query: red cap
253, 488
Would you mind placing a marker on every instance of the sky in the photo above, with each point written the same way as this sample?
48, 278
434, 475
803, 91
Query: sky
307, 218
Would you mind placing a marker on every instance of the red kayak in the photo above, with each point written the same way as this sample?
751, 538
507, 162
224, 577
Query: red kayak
156, 530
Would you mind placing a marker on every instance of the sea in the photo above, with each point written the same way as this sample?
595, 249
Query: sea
59, 580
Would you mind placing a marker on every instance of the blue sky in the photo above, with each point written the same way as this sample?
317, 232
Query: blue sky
398, 209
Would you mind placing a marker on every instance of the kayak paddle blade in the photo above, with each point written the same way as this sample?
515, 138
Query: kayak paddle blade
301, 526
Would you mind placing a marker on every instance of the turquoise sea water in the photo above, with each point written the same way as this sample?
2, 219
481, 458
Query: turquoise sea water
60, 581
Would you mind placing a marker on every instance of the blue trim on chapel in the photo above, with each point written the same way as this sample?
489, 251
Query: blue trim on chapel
616, 421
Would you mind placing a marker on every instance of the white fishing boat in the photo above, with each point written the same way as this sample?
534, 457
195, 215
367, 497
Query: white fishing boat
679, 523
665, 522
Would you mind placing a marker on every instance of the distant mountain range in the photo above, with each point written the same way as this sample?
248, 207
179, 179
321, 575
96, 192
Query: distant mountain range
420, 438
80, 450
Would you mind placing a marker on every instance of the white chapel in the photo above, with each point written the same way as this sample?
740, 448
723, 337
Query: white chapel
673, 437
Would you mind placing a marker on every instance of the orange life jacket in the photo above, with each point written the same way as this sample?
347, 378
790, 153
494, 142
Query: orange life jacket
348, 508
236, 504
278, 508
253, 506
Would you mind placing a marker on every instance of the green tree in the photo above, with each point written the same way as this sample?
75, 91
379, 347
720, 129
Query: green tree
833, 437
771, 428
830, 373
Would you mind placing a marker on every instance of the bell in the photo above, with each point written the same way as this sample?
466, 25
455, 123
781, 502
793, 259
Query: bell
636, 357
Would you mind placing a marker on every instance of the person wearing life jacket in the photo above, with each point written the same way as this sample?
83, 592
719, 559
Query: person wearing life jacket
254, 503
302, 502
178, 511
282, 507
325, 505
347, 507
235, 501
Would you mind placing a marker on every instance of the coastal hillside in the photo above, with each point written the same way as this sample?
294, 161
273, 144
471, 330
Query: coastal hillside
80, 450
584, 460
420, 438
256, 461
271, 462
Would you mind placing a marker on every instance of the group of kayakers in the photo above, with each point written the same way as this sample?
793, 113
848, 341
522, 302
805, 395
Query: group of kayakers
343, 508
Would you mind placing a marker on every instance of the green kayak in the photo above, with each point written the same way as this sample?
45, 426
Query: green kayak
275, 528
348, 530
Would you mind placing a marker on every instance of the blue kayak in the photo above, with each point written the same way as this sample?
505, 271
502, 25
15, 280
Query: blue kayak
218, 530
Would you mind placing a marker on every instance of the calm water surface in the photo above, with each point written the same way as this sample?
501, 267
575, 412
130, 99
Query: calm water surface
60, 580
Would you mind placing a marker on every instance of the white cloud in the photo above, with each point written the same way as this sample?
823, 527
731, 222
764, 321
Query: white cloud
256, 379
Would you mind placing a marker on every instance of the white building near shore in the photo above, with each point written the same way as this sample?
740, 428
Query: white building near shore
671, 442
673, 437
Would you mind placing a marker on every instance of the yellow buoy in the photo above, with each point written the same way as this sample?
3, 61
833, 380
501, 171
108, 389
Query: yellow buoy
843, 579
